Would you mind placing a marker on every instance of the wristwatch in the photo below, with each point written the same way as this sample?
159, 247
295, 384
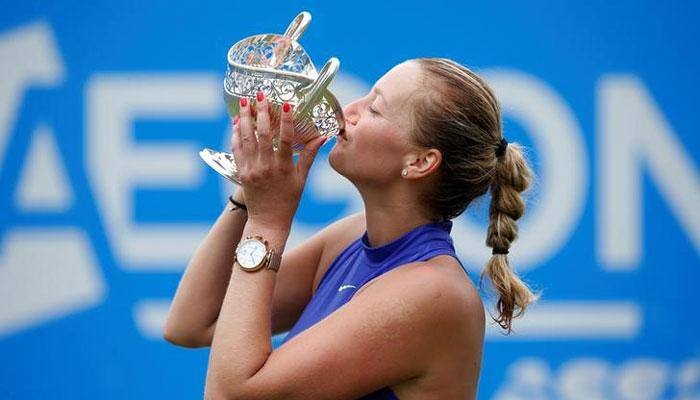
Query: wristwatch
253, 253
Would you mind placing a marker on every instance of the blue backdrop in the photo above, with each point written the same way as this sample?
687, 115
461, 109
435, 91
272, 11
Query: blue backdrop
104, 106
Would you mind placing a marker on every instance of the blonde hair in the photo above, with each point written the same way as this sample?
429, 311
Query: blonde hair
458, 114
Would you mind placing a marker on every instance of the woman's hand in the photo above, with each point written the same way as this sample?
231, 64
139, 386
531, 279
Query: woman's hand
239, 195
271, 181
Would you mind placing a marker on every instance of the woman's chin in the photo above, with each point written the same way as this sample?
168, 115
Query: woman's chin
336, 160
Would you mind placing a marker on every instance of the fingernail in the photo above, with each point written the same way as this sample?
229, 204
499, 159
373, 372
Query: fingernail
261, 96
244, 102
286, 107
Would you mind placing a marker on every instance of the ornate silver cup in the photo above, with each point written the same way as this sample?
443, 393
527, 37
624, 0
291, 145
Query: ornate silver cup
279, 66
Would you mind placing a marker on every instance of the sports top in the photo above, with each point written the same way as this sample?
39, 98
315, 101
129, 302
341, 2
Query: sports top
359, 263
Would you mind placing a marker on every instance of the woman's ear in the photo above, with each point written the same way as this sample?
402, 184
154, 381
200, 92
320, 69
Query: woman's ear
423, 164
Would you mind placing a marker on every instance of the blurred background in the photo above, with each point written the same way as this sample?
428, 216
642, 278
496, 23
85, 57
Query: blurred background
104, 106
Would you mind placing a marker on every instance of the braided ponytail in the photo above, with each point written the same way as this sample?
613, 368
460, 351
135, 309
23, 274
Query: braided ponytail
511, 177
459, 115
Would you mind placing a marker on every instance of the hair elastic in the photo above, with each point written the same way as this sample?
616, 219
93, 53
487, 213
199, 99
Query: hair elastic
496, 250
501, 149
236, 204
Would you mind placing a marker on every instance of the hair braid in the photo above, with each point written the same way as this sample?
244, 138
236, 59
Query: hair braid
458, 114
512, 176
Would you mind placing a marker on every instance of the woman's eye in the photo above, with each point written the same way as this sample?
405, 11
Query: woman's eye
372, 110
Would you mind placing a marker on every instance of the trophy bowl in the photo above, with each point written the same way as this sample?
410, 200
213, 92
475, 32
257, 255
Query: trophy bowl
279, 66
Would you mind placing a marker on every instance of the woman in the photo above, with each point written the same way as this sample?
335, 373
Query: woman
378, 303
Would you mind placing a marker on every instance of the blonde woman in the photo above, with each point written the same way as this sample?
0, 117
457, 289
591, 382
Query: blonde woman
377, 304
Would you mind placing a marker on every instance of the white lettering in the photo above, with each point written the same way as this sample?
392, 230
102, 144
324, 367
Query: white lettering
634, 136
28, 56
46, 274
116, 164
44, 182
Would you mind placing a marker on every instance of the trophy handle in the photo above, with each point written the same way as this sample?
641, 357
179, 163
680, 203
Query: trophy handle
315, 91
298, 25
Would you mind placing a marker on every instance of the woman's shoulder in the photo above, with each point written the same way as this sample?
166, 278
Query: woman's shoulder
345, 229
342, 232
457, 310
352, 225
439, 296
443, 275
336, 237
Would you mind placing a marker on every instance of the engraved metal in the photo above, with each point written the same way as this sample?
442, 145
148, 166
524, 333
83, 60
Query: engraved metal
279, 66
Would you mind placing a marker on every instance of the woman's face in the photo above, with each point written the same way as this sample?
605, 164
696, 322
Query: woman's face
375, 146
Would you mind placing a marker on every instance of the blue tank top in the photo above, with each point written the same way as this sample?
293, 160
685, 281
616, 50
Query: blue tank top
359, 263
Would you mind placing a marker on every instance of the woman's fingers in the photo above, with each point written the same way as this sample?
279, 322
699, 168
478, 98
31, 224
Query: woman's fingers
245, 129
235, 135
263, 127
284, 152
307, 156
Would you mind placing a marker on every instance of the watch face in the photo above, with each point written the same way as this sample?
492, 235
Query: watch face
251, 253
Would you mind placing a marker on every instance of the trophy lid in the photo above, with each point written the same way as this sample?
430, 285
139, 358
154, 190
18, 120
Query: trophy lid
278, 66
279, 53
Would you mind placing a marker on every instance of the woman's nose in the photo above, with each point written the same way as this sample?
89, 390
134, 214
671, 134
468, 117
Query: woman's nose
350, 112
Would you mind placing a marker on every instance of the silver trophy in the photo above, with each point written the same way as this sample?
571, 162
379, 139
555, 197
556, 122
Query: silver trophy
278, 66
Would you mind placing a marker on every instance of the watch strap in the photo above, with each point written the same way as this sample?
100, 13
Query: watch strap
274, 259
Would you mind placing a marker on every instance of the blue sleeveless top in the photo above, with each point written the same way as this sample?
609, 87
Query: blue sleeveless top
359, 263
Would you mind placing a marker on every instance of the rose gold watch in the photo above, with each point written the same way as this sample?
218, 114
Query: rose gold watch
253, 253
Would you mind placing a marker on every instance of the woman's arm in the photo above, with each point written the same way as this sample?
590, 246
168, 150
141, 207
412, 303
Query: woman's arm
242, 339
201, 290
393, 331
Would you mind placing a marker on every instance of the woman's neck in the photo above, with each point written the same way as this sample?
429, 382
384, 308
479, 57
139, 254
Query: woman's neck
391, 215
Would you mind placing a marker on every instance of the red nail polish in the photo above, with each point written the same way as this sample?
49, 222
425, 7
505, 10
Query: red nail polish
244, 102
261, 96
286, 107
